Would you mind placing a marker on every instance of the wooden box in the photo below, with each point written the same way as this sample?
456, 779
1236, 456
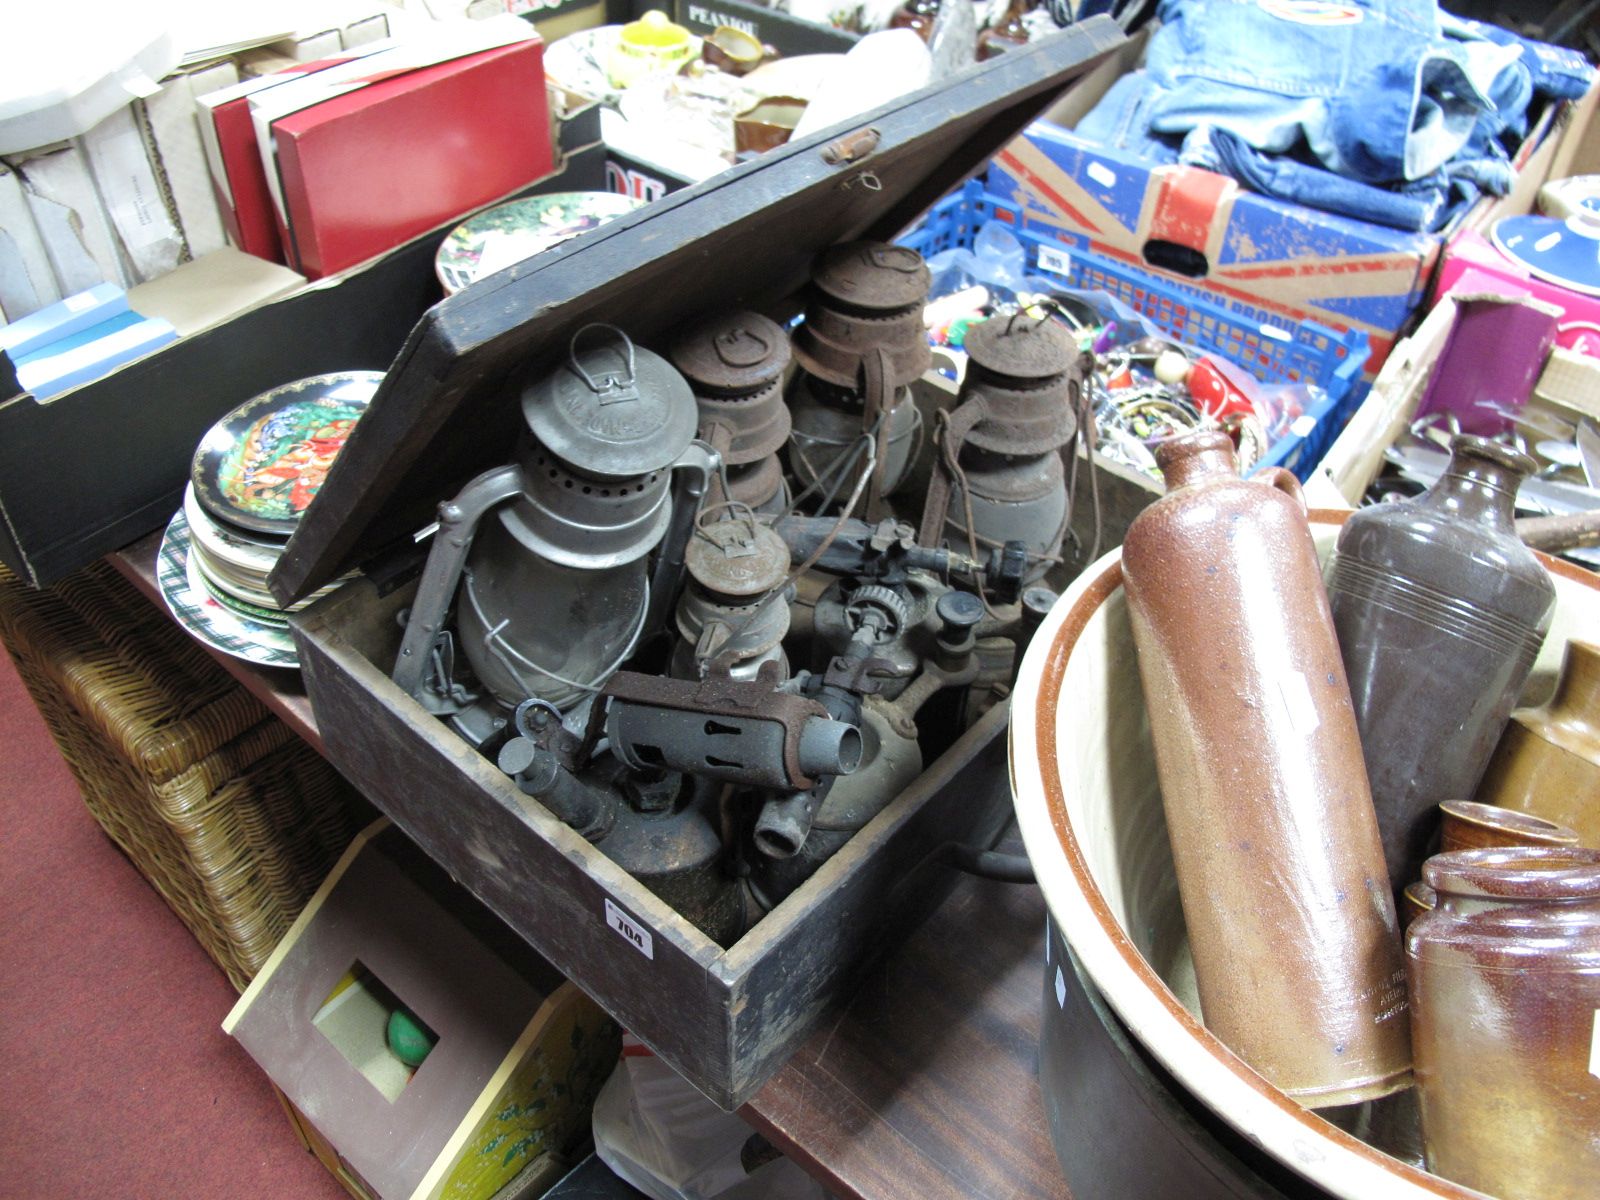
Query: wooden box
726, 1019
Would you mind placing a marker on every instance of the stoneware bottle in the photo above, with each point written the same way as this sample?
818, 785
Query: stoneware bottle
1548, 759
1440, 611
1280, 870
1505, 990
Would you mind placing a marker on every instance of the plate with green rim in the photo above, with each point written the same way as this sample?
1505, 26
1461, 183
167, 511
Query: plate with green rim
184, 590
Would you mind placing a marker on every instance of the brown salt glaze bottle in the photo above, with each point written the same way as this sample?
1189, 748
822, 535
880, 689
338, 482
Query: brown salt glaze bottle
1505, 990
1548, 759
1440, 611
1280, 870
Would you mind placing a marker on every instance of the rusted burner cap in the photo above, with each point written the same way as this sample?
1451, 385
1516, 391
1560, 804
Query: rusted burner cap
1019, 347
832, 348
1022, 421
872, 275
731, 353
757, 424
737, 558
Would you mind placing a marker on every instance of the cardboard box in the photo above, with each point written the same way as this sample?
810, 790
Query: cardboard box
27, 281
172, 137
1473, 265
1261, 257
92, 469
726, 1019
790, 36
366, 170
1569, 387
517, 1057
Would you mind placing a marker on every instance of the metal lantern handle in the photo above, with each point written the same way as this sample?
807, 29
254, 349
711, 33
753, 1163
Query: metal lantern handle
612, 384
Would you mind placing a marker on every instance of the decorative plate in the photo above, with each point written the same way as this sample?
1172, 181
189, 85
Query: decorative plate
204, 617
1563, 251
261, 465
518, 229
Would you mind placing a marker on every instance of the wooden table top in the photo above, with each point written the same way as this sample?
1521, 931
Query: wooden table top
925, 1087
281, 690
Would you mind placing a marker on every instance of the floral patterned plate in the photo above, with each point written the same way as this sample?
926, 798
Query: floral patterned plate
261, 465
519, 229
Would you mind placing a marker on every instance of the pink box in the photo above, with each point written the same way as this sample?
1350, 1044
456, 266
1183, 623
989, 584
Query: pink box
1473, 266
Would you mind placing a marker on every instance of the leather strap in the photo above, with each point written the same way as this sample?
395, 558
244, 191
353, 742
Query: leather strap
951, 436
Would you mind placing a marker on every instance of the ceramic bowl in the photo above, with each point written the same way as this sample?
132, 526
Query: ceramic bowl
1089, 807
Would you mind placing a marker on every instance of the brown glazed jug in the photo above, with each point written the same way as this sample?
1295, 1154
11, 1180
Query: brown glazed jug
1505, 995
1280, 871
1440, 611
1548, 759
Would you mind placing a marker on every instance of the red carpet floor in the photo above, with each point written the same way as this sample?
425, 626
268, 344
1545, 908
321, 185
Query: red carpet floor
115, 1080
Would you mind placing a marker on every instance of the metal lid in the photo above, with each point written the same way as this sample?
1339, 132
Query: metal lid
1019, 348
737, 558
732, 353
874, 275
612, 409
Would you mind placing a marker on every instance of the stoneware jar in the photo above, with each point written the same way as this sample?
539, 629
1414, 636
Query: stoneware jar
1505, 999
1440, 611
1279, 866
1468, 825
1548, 760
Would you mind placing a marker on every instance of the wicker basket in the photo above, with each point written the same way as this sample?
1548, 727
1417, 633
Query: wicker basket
219, 805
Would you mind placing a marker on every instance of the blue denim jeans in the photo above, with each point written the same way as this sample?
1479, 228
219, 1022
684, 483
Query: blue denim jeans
1554, 71
1373, 87
1418, 207
1121, 120
1404, 105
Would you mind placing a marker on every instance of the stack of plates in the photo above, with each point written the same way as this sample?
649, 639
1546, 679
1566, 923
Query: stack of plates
252, 477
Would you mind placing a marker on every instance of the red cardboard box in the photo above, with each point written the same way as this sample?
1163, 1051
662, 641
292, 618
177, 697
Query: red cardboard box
237, 176
368, 169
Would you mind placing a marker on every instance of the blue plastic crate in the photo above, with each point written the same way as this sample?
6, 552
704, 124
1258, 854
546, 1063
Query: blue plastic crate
1307, 352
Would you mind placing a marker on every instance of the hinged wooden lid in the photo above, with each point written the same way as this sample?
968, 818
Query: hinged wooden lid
448, 407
